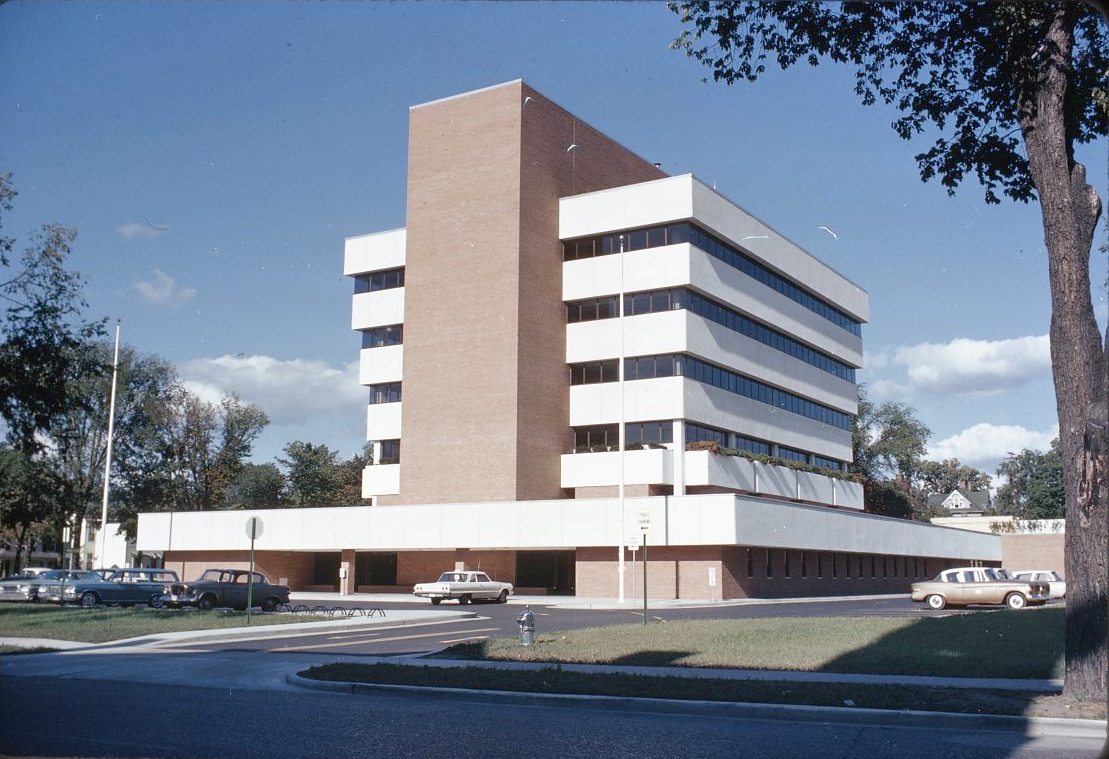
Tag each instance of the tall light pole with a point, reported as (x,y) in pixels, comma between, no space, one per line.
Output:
(102,539)
(620,431)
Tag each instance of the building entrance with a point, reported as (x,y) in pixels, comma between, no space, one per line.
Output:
(552,571)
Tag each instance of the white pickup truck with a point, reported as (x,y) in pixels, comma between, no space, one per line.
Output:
(465,586)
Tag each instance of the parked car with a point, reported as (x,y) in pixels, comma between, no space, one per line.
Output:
(28,584)
(978,585)
(53,590)
(465,586)
(127,586)
(226,588)
(1056,584)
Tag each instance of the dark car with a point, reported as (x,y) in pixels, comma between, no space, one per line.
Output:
(126,587)
(28,585)
(226,588)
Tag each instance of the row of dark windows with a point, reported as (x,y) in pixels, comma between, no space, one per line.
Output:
(379,337)
(672,234)
(790,454)
(698,432)
(386,279)
(594,372)
(826,463)
(647,367)
(833,564)
(607,436)
(683,298)
(592,309)
(682,365)
(725,439)
(385,392)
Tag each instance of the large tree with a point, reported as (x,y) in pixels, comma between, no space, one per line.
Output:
(209,446)
(316,476)
(942,477)
(1033,486)
(1011,88)
(41,365)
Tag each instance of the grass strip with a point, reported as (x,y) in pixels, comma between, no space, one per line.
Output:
(554,680)
(101,624)
(1006,644)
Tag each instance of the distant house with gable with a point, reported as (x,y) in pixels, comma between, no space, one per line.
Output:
(962,503)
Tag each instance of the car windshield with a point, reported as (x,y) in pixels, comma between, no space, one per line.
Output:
(210,575)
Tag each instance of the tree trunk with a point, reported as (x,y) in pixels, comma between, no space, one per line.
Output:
(1070,209)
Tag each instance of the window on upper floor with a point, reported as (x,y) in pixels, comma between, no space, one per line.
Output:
(386,279)
(385,392)
(390,452)
(591,309)
(594,372)
(379,337)
(649,433)
(597,437)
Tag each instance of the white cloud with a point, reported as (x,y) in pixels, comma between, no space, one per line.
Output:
(966,366)
(163,290)
(290,392)
(984,445)
(133,229)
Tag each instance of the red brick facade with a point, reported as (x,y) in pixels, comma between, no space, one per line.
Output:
(673,572)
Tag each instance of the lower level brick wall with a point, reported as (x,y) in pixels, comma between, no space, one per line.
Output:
(1034,552)
(285,567)
(673,572)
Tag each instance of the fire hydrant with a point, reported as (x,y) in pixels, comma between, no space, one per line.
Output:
(526,621)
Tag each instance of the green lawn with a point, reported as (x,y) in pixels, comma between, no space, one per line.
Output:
(1021,644)
(1006,644)
(101,624)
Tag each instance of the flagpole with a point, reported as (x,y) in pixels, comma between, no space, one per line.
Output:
(103,536)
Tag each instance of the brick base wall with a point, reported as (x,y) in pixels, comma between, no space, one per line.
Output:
(285,567)
(673,572)
(1034,552)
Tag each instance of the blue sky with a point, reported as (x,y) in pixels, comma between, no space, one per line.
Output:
(213,157)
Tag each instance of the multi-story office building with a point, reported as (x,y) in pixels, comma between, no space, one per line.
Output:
(566,350)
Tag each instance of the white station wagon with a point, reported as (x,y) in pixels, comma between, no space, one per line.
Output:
(465,586)
(1056,583)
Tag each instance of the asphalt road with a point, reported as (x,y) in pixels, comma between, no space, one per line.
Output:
(499,620)
(234,704)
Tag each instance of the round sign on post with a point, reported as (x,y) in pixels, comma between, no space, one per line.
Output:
(254,528)
(253,531)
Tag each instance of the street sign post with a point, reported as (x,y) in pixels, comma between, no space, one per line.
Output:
(644,528)
(253,531)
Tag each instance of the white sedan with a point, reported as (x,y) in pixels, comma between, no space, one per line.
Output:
(1056,583)
(465,586)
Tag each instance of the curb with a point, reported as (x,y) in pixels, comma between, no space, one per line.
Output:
(1028,726)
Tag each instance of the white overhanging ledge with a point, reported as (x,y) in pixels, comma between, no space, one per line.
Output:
(692,520)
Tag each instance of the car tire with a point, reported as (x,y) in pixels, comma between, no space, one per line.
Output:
(464,599)
(270,604)
(156,601)
(89,599)
(436,601)
(503,597)
(206,603)
(935,602)
(1016,601)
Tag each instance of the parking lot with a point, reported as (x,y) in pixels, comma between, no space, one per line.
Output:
(499,620)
